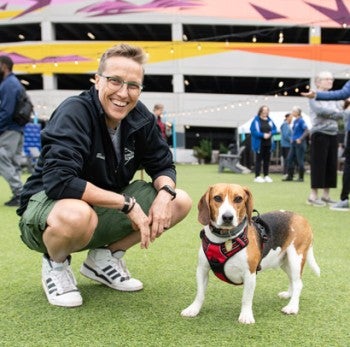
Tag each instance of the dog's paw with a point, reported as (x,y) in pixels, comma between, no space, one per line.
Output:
(190,311)
(246,318)
(290,309)
(284,295)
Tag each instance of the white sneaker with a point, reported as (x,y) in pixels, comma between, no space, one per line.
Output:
(259,179)
(268,179)
(341,205)
(59,283)
(315,202)
(107,268)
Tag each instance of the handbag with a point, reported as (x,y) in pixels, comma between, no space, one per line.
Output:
(24,110)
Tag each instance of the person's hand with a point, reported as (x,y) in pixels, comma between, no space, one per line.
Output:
(298,141)
(311,94)
(140,222)
(267,135)
(160,214)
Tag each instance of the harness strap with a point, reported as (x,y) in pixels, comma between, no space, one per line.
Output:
(263,231)
(218,253)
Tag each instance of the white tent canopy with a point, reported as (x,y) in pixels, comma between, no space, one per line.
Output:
(277,117)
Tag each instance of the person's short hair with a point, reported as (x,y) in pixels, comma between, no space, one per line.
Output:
(323,75)
(4,59)
(135,53)
(297,109)
(286,115)
(158,107)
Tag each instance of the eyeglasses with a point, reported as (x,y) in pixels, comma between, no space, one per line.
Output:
(116,83)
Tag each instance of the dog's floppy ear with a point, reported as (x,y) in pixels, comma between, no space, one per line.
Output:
(203,209)
(248,203)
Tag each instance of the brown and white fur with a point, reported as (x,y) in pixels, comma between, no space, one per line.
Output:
(224,207)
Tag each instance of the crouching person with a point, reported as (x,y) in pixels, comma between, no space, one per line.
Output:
(82,195)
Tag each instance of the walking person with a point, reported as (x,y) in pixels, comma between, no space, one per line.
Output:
(298,146)
(81,195)
(339,94)
(262,130)
(158,110)
(324,143)
(11,133)
(286,137)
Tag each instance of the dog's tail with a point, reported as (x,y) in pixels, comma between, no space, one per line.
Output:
(310,258)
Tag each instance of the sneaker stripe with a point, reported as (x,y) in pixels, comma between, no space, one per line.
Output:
(51,287)
(109,270)
(102,276)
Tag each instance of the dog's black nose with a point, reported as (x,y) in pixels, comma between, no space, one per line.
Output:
(227,218)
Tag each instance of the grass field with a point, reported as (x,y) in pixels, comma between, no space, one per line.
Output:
(152,317)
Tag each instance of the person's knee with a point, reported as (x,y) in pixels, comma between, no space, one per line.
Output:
(183,203)
(73,222)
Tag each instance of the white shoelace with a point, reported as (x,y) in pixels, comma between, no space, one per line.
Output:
(64,280)
(120,266)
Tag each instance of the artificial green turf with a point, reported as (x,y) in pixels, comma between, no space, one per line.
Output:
(152,317)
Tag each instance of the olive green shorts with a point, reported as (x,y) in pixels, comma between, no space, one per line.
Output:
(112,225)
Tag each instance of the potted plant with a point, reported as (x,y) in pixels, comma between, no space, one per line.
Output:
(203,152)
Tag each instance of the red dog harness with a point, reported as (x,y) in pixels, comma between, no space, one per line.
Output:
(218,253)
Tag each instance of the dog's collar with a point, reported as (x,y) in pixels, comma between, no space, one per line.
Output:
(224,233)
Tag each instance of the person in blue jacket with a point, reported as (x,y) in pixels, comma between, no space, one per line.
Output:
(339,94)
(286,136)
(11,133)
(262,130)
(83,194)
(297,151)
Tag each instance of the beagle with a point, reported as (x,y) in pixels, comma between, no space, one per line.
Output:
(236,245)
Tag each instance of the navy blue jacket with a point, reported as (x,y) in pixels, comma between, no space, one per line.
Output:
(10,91)
(76,148)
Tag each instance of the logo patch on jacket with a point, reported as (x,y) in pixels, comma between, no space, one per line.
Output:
(128,155)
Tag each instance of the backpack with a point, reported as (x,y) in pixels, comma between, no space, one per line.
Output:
(24,109)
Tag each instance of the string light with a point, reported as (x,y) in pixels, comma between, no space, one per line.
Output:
(280,37)
(91,36)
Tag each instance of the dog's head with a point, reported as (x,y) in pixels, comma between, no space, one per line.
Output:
(225,205)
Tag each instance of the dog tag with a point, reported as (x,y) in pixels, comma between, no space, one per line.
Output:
(228,245)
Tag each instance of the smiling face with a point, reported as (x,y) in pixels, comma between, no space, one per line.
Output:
(324,81)
(118,104)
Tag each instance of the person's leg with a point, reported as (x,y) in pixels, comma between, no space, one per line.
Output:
(285,151)
(266,156)
(58,228)
(105,264)
(331,168)
(291,158)
(300,155)
(10,141)
(258,159)
(332,162)
(344,195)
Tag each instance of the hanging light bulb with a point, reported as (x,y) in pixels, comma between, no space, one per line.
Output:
(254,39)
(280,37)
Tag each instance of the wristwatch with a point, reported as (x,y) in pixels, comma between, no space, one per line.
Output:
(169,190)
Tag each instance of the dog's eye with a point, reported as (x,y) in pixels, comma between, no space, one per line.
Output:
(238,199)
(218,198)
